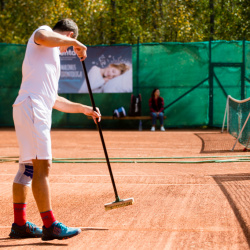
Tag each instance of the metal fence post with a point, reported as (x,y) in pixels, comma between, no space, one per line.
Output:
(138,65)
(211,108)
(243,95)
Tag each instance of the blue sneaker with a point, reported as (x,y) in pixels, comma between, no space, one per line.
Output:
(28,230)
(59,231)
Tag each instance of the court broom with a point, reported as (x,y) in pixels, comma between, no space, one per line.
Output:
(118,202)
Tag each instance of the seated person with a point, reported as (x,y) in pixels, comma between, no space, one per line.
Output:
(156,105)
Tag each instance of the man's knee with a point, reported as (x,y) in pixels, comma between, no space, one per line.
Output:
(25,174)
(41,167)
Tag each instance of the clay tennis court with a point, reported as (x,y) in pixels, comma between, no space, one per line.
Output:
(190,190)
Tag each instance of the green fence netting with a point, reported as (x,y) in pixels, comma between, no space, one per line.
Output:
(11,57)
(193,78)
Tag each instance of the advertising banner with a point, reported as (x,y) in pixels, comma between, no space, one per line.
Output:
(109,70)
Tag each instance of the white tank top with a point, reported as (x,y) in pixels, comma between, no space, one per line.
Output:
(41,73)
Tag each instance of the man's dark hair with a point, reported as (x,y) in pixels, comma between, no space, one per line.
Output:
(67,25)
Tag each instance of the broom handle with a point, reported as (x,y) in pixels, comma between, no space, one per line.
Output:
(100,131)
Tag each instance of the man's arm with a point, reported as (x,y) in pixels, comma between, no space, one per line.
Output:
(64,105)
(53,39)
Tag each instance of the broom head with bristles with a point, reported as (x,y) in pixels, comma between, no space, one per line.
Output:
(119,203)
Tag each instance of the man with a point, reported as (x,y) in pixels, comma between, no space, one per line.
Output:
(32,118)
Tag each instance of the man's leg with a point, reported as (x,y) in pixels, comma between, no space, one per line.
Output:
(21,228)
(52,229)
(41,190)
(40,184)
(20,193)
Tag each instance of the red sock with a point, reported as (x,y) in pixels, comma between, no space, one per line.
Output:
(48,218)
(19,213)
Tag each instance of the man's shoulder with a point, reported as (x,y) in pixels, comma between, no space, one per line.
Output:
(43,27)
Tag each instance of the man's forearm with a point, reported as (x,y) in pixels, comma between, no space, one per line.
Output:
(53,39)
(66,106)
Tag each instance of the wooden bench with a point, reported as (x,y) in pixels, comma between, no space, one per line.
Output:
(140,118)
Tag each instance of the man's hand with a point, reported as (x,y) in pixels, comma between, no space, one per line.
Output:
(80,50)
(96,115)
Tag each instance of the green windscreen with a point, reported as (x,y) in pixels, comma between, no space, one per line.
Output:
(11,57)
(191,80)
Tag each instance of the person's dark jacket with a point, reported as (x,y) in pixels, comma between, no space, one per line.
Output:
(156,105)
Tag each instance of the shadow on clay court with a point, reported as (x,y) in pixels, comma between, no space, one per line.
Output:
(29,244)
(8,239)
(218,143)
(237,192)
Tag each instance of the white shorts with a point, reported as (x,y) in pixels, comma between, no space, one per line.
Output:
(32,127)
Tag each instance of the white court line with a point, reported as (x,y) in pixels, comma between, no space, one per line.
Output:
(105,175)
(84,175)
(159,184)
(142,184)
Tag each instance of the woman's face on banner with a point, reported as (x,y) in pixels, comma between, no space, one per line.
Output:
(111,72)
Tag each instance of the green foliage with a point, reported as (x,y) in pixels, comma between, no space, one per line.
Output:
(119,21)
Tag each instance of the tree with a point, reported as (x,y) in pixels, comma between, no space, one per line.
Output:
(119,21)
